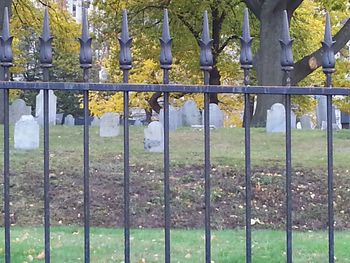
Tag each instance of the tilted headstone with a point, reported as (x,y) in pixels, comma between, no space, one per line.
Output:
(39,107)
(95,121)
(173,118)
(59,118)
(216,116)
(306,122)
(17,109)
(190,114)
(154,137)
(109,125)
(26,134)
(276,119)
(69,120)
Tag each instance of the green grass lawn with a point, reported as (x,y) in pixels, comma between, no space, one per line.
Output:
(309,148)
(186,245)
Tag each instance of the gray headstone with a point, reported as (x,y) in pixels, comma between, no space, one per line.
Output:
(138,122)
(216,116)
(276,119)
(173,118)
(96,121)
(26,135)
(179,117)
(39,107)
(69,120)
(190,114)
(17,109)
(109,125)
(321,110)
(154,137)
(59,118)
(293,119)
(306,122)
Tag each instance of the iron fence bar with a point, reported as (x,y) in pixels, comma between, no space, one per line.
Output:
(207,171)
(288,145)
(328,65)
(166,171)
(287,64)
(273,90)
(85,59)
(126,173)
(330,172)
(206,65)
(46,171)
(125,62)
(248,193)
(165,64)
(46,64)
(7,221)
(246,60)
(6,59)
(330,179)
(86,171)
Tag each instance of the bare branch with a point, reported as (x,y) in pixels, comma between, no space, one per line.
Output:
(225,43)
(310,63)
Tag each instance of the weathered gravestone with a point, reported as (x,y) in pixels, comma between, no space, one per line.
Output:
(39,107)
(321,110)
(154,137)
(95,121)
(306,122)
(321,113)
(173,118)
(26,135)
(17,109)
(190,114)
(109,125)
(69,120)
(138,122)
(179,117)
(293,119)
(59,118)
(216,116)
(276,119)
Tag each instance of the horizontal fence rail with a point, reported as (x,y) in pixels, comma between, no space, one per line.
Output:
(273,90)
(206,64)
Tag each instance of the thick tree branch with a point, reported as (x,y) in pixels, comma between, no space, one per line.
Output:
(310,63)
(292,5)
(254,6)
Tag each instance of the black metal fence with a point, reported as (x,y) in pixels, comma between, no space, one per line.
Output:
(206,63)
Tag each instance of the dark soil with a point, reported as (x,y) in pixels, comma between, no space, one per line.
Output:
(187,198)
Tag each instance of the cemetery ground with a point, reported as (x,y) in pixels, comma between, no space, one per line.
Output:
(187,194)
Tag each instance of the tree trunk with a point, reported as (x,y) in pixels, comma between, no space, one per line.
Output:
(268,62)
(214,80)
(3,4)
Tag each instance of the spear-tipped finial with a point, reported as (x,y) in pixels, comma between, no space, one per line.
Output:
(46,43)
(85,43)
(328,58)
(206,56)
(6,56)
(125,44)
(165,42)
(287,61)
(246,57)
